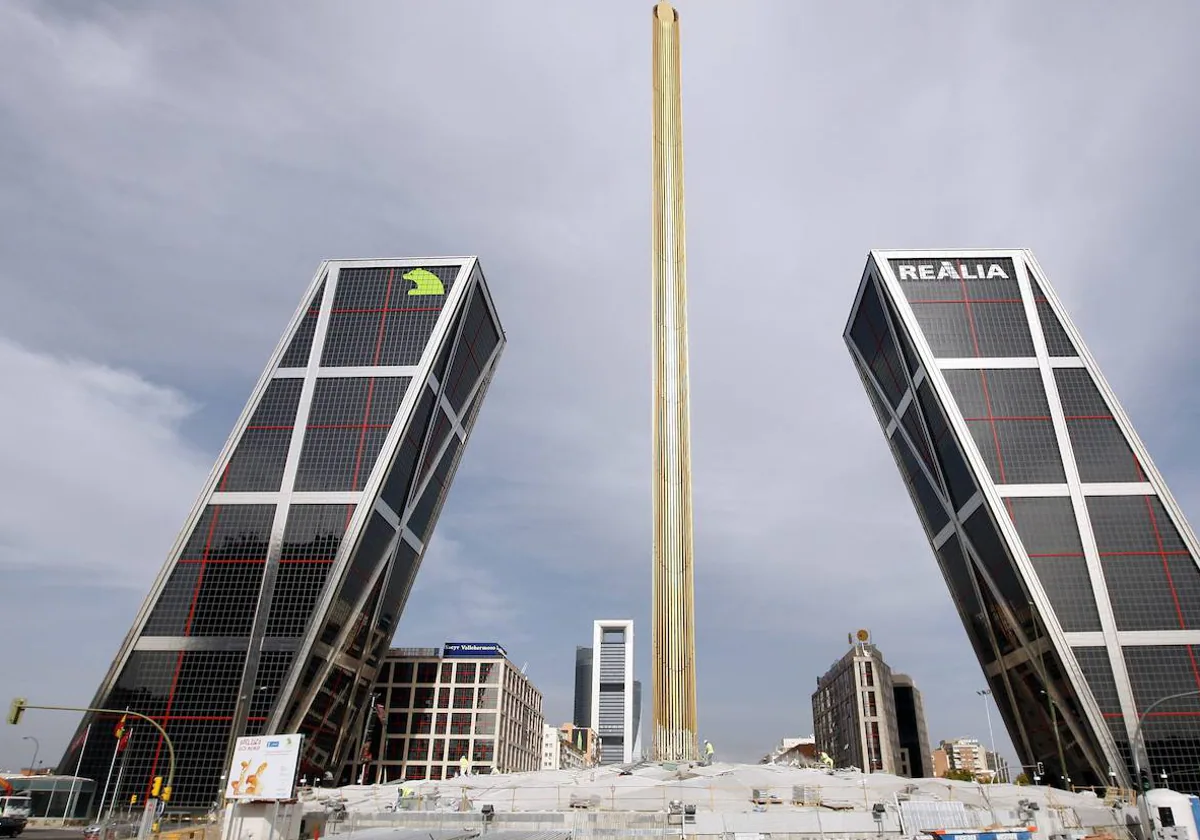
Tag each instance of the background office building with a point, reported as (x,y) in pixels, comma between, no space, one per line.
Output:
(854,713)
(583,697)
(560,751)
(583,687)
(910,728)
(612,692)
(281,594)
(963,755)
(584,675)
(438,705)
(1072,567)
(585,740)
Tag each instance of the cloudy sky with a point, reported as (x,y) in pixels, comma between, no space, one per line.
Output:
(173,173)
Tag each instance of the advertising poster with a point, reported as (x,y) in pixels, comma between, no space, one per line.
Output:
(264,768)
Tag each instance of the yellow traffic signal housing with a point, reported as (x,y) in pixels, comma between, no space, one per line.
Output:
(156,786)
(16,710)
(166,794)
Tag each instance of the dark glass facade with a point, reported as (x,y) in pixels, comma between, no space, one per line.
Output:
(910,728)
(1072,568)
(276,607)
(583,687)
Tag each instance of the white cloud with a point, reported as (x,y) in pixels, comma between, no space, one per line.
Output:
(95,475)
(455,598)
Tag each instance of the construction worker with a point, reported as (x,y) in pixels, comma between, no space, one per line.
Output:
(464,765)
(708,753)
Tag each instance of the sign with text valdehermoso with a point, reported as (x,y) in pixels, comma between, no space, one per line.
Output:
(264,767)
(471,649)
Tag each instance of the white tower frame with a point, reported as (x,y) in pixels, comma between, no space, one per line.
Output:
(598,630)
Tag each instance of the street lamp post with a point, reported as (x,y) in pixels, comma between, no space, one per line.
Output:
(985,694)
(36,747)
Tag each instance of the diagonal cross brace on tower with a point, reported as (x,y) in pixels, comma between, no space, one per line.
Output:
(673,620)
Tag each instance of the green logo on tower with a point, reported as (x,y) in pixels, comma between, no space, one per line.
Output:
(427,283)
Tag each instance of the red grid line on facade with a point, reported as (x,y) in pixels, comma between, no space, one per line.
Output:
(216,561)
(362,435)
(385,310)
(341,678)
(335,694)
(470,344)
(217,718)
(987,402)
(1171,583)
(187,628)
(323,426)
(1121,554)
(326,728)
(967,300)
(414,437)
(987,397)
(878,351)
(1155,714)
(1137,465)
(1044,419)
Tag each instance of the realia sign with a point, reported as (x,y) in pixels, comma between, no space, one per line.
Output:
(472,649)
(955,270)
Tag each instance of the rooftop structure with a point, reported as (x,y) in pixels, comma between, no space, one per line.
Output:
(801,752)
(715,802)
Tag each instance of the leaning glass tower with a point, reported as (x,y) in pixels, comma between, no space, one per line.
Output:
(1072,567)
(280,598)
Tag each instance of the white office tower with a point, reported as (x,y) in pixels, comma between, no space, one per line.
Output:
(612,690)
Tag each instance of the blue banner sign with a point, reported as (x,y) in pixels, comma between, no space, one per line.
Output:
(472,649)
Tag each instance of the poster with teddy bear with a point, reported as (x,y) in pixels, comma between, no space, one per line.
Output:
(264,768)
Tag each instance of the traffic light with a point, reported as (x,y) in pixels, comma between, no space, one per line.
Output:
(1147,782)
(166,794)
(156,786)
(16,710)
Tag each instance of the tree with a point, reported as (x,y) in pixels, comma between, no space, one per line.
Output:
(959,776)
(1023,779)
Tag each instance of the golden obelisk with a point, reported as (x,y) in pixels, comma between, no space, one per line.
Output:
(673,681)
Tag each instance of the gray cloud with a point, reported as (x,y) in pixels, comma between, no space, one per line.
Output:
(173,176)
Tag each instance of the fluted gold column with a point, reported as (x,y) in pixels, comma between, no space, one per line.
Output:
(674,644)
